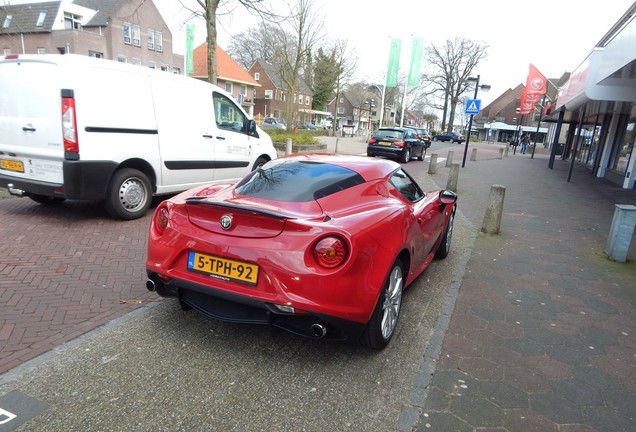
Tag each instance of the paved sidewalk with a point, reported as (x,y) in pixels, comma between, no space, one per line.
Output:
(543,332)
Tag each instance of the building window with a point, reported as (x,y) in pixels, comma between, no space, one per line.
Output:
(136,61)
(228,87)
(72,21)
(127,35)
(7,21)
(136,35)
(164,68)
(340,110)
(95,54)
(41,50)
(152,65)
(243,90)
(41,18)
(176,70)
(158,42)
(61,50)
(7,51)
(341,100)
(122,59)
(269,94)
(151,39)
(257,76)
(307,100)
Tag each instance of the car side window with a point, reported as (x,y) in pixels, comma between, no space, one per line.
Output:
(228,116)
(406,185)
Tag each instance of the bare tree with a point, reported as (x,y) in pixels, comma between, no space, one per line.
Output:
(346,63)
(453,64)
(209,10)
(253,44)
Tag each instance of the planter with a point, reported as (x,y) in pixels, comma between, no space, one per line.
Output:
(302,148)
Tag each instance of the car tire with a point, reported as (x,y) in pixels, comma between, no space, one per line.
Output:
(129,194)
(422,154)
(259,163)
(46,200)
(406,155)
(384,319)
(444,247)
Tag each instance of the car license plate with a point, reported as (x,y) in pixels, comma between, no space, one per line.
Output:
(385,143)
(11,165)
(223,268)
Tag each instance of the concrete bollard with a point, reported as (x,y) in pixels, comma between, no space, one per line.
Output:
(453,176)
(621,232)
(432,165)
(288,146)
(449,159)
(506,148)
(492,218)
(501,150)
(337,146)
(473,155)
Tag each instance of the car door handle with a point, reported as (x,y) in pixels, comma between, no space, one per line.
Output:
(220,138)
(28,128)
(207,136)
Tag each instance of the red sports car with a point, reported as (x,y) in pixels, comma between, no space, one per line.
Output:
(318,245)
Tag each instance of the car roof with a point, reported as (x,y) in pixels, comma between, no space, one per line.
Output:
(368,168)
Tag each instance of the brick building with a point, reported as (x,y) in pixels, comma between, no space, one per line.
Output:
(128,31)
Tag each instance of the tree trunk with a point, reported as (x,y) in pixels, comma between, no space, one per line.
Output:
(210,22)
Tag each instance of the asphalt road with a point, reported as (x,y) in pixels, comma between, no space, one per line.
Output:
(162,369)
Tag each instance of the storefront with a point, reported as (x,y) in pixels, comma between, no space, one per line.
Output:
(594,116)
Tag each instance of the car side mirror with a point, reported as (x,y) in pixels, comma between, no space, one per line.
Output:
(446,197)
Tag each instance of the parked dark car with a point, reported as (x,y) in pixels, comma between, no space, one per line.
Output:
(451,137)
(424,136)
(399,143)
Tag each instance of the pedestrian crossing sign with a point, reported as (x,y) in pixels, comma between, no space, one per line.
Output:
(472,106)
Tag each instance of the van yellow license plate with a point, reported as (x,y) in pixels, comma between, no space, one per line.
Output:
(223,268)
(11,165)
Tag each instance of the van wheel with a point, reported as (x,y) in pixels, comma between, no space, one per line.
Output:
(47,200)
(259,163)
(129,194)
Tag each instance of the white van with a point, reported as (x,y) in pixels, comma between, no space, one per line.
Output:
(76,127)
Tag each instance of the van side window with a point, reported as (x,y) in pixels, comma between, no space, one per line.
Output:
(228,115)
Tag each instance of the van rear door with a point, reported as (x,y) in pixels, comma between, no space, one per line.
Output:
(31,146)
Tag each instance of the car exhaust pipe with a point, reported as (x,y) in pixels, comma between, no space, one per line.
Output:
(150,285)
(318,330)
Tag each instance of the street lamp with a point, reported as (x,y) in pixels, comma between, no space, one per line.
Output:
(484,87)
(371,103)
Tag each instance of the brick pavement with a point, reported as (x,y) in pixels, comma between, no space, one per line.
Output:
(543,332)
(64,271)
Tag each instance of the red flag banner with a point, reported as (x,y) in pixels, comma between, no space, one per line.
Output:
(527,102)
(536,83)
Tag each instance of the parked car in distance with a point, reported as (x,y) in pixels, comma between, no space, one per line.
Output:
(450,136)
(273,123)
(401,143)
(319,245)
(308,126)
(424,136)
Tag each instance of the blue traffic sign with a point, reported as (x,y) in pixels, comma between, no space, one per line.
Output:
(472,106)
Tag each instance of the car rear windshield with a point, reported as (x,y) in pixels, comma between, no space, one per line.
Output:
(298,181)
(393,134)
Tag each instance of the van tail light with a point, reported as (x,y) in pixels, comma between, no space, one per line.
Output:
(69,125)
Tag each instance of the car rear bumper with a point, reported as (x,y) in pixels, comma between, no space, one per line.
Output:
(392,152)
(231,307)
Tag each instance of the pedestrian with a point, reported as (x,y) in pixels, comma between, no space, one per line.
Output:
(524,143)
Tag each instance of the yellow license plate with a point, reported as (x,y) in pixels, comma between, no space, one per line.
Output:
(11,165)
(385,143)
(223,268)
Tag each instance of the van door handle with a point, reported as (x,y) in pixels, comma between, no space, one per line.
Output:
(28,128)
(220,138)
(207,136)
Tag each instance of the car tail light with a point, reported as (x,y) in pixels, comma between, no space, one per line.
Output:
(399,143)
(330,252)
(372,140)
(162,218)
(69,125)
